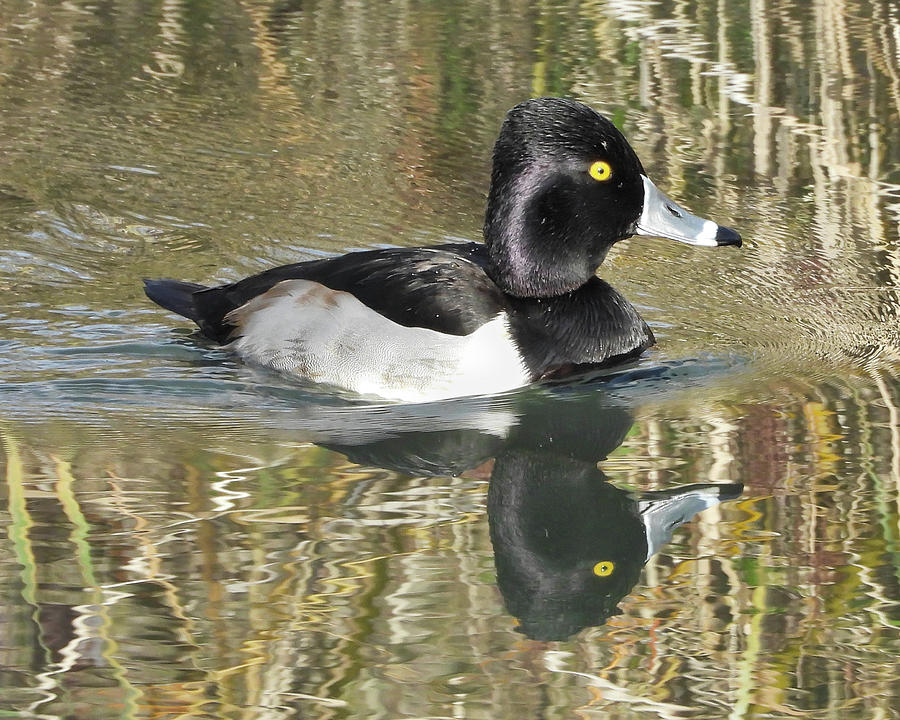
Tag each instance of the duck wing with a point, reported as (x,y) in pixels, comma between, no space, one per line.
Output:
(444,288)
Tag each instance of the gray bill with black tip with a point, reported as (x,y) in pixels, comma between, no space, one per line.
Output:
(663,217)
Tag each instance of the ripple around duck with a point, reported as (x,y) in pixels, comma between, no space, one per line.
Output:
(182,378)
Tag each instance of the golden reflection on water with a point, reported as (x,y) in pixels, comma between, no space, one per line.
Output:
(284,577)
(168,555)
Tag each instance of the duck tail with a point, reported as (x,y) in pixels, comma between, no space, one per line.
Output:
(174,295)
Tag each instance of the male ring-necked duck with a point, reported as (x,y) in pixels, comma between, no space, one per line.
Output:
(420,324)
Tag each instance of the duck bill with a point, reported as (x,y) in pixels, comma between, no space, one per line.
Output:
(664,510)
(663,217)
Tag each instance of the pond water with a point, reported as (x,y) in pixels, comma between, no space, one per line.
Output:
(189,537)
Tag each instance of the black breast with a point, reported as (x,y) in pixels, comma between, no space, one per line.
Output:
(593,326)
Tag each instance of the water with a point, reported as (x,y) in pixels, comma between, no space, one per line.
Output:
(190,537)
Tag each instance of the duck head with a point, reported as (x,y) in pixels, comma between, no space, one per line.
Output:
(565,187)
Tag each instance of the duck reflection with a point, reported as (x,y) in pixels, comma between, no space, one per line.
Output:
(568,544)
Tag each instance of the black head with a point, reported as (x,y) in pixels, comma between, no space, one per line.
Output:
(565,186)
(550,220)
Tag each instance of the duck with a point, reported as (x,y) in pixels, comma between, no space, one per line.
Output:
(526,305)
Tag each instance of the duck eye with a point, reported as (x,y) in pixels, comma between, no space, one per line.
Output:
(604,568)
(600,170)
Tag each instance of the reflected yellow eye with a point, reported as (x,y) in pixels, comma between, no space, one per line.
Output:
(604,568)
(600,170)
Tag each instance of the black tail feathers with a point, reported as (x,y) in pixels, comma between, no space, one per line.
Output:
(174,295)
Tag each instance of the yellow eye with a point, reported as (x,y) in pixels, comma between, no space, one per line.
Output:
(600,170)
(604,568)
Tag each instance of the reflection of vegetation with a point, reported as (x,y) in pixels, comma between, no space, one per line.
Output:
(65,639)
(308,580)
(458,70)
(20,518)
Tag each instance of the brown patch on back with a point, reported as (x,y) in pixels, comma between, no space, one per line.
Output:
(303,292)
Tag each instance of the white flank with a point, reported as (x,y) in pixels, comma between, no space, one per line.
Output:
(328,336)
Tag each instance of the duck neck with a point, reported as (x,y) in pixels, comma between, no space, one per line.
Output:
(592,326)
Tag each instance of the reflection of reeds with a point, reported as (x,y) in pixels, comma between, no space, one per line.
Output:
(83,629)
(823,533)
(20,519)
(311,606)
(98,607)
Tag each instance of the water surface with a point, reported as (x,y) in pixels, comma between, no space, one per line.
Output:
(190,537)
